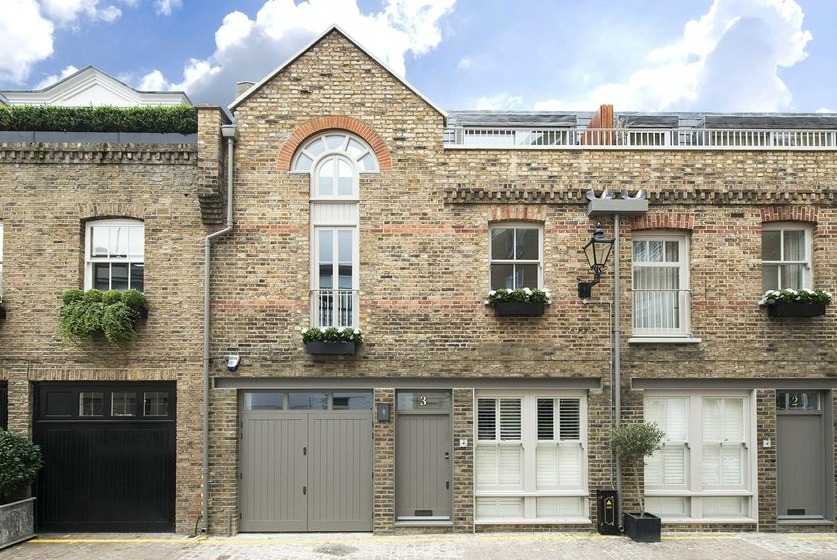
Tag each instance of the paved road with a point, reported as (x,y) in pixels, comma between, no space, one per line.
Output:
(487,546)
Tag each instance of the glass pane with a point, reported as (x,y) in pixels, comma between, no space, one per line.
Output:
(640,251)
(570,419)
(423,401)
(345,180)
(101,276)
(672,251)
(355,148)
(316,147)
(527,244)
(510,419)
(119,276)
(794,245)
(526,276)
(771,245)
(502,276)
(326,178)
(326,245)
(91,403)
(486,419)
(307,401)
(351,401)
(546,419)
(792,276)
(119,241)
(264,401)
(655,251)
(303,163)
(769,277)
(136,242)
(502,243)
(334,142)
(99,241)
(326,277)
(155,403)
(59,403)
(138,276)
(344,246)
(345,276)
(123,404)
(367,163)
(798,400)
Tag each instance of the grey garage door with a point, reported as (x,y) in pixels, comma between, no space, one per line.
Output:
(306,461)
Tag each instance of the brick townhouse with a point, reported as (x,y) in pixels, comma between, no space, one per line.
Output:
(356,202)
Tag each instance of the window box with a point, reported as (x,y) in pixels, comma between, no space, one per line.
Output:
(796,309)
(330,348)
(518,309)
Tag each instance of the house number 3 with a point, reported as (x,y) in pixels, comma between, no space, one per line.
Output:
(422,401)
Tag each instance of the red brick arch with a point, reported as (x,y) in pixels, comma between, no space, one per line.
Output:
(321,124)
(789,214)
(668,220)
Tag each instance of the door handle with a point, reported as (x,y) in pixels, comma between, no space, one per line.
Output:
(447,454)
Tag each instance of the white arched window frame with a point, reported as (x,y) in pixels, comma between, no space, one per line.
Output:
(114,254)
(335,160)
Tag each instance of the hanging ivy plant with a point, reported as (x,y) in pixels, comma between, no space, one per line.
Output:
(111,314)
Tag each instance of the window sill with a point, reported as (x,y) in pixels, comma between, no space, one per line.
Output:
(538,521)
(707,520)
(802,521)
(664,340)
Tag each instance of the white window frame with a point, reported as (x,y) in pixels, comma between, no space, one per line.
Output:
(696,495)
(807,274)
(527,492)
(315,270)
(90,260)
(514,261)
(334,145)
(682,298)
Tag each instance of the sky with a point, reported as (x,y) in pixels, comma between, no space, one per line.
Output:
(522,55)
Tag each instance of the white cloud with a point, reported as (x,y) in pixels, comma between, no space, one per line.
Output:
(165,7)
(464,64)
(66,12)
(249,49)
(153,81)
(727,60)
(25,39)
(49,80)
(502,101)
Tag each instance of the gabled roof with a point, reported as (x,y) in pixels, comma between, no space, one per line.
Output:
(91,86)
(333,29)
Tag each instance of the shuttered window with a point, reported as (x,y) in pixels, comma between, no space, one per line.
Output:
(532,447)
(706,452)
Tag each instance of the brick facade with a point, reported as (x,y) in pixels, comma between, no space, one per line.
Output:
(424,223)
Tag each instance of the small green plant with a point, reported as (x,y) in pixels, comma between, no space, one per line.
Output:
(632,444)
(520,295)
(332,334)
(20,461)
(772,297)
(111,314)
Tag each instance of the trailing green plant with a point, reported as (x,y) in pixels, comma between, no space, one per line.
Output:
(20,461)
(332,334)
(520,295)
(111,314)
(181,119)
(632,444)
(772,297)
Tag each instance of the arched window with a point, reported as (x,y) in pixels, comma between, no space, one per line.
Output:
(334,159)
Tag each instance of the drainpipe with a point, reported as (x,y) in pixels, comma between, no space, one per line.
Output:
(617,358)
(230,133)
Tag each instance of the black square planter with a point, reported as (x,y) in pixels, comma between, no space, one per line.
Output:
(795,309)
(644,528)
(330,348)
(518,309)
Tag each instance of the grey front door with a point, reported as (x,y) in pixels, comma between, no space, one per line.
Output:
(423,456)
(800,453)
(306,461)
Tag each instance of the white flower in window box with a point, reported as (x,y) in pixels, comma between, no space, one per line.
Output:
(522,302)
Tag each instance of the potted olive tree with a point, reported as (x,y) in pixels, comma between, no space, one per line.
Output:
(632,443)
(20,461)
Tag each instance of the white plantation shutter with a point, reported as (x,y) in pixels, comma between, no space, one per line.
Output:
(569,464)
(510,465)
(499,455)
(724,451)
(668,465)
(509,419)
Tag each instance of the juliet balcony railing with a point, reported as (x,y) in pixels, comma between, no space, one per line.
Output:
(661,312)
(334,308)
(648,139)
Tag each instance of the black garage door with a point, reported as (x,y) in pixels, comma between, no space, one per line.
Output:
(109,456)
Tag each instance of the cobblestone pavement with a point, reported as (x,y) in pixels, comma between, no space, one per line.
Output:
(485,546)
